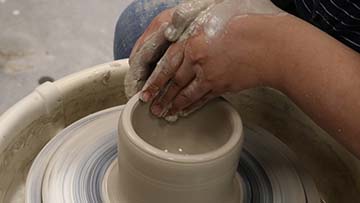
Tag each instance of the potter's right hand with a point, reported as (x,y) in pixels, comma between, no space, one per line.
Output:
(167,27)
(214,56)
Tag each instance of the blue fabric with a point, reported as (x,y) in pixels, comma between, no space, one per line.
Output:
(133,22)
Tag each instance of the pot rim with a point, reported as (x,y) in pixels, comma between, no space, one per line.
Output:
(231,144)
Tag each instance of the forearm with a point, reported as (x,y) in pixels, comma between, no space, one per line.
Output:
(317,72)
(322,76)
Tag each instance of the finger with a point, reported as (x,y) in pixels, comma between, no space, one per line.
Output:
(198,104)
(141,61)
(182,78)
(151,49)
(162,19)
(139,42)
(184,14)
(164,71)
(190,94)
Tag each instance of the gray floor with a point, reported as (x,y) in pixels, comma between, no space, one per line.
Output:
(52,38)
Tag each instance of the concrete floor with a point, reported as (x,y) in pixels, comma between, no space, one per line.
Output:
(52,38)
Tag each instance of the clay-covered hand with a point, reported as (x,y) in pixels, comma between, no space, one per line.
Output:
(167,27)
(219,52)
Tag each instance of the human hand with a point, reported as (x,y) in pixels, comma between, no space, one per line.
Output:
(164,29)
(213,56)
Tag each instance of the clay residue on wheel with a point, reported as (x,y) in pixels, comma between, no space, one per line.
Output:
(15,160)
(11,61)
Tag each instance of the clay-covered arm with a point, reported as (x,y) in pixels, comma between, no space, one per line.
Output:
(317,72)
(257,44)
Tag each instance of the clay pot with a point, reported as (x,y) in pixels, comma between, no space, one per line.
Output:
(193,160)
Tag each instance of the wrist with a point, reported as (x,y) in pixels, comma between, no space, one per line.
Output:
(260,45)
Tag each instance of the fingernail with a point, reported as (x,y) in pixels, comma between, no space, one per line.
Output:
(171,119)
(156,110)
(145,96)
(184,113)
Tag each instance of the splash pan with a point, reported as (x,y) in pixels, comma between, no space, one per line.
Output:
(79,165)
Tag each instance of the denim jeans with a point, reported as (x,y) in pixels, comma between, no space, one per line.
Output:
(133,22)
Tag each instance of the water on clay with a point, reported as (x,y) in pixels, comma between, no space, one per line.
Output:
(183,136)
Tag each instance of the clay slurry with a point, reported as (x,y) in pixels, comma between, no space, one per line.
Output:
(188,136)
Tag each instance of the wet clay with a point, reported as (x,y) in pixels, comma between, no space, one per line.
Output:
(190,161)
(76,174)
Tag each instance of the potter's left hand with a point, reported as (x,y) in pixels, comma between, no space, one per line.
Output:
(165,28)
(215,55)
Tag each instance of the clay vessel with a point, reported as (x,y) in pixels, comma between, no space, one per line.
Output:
(193,160)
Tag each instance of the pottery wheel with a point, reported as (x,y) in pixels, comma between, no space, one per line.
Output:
(79,165)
